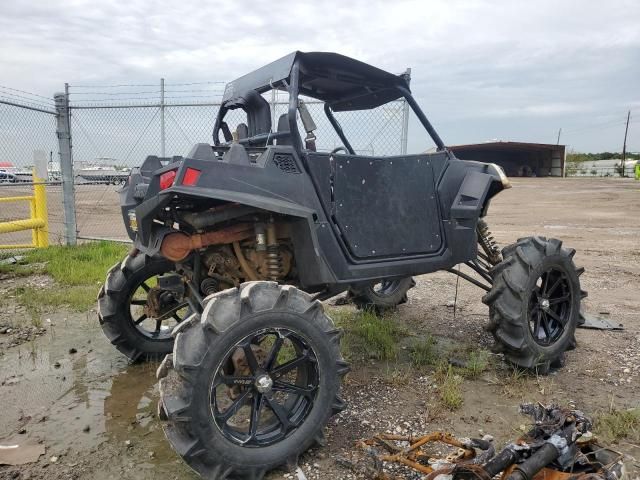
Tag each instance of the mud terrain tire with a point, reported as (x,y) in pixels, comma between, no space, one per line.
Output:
(190,379)
(114,311)
(392,292)
(536,288)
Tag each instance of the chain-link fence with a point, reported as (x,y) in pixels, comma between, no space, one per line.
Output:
(27,126)
(107,130)
(601,168)
(111,136)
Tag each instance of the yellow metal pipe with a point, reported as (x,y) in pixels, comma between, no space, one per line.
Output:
(39,219)
(33,215)
(16,199)
(19,225)
(16,246)
(40,201)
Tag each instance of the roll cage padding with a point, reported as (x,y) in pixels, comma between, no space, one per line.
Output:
(258,115)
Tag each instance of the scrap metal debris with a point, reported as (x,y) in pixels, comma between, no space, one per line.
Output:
(597,323)
(559,446)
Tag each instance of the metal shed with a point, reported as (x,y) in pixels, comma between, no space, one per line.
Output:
(518,159)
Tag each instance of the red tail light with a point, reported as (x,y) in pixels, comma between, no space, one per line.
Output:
(167,178)
(191,176)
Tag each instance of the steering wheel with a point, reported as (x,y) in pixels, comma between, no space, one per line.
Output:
(337,149)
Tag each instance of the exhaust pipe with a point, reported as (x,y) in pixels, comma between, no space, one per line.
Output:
(177,246)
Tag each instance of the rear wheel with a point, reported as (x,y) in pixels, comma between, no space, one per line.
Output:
(135,314)
(534,303)
(382,295)
(252,382)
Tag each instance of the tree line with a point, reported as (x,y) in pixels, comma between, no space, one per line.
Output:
(592,157)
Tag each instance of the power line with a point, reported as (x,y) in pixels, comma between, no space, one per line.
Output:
(610,123)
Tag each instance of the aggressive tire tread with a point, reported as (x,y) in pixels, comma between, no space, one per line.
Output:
(508,301)
(366,298)
(201,338)
(113,306)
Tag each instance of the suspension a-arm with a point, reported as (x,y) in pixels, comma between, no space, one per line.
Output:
(488,256)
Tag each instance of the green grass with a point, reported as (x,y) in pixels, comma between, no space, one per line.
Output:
(514,381)
(78,273)
(477,363)
(84,264)
(422,352)
(617,425)
(20,270)
(449,388)
(368,335)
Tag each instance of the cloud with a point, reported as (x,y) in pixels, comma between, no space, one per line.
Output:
(482,69)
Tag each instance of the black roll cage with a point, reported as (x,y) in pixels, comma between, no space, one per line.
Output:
(293,87)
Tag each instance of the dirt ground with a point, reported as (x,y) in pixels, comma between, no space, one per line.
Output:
(69,390)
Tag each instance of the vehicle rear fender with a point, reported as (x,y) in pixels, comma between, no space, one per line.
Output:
(312,268)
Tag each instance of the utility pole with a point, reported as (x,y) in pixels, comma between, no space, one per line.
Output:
(162,137)
(624,145)
(559,132)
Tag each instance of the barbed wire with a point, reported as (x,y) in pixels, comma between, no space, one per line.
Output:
(115,86)
(197,83)
(115,93)
(130,85)
(193,91)
(33,101)
(3,87)
(167,97)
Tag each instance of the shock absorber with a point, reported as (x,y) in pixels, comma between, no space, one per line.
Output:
(274,259)
(488,243)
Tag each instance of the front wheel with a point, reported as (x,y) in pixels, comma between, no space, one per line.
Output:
(252,381)
(534,303)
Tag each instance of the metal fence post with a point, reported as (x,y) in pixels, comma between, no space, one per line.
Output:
(63,131)
(405,118)
(162,125)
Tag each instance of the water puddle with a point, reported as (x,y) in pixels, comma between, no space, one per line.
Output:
(72,390)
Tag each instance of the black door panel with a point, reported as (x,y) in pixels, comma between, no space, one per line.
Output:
(383,206)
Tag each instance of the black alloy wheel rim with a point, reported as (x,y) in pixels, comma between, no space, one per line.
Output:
(275,393)
(161,326)
(550,307)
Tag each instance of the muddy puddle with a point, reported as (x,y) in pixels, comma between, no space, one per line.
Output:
(72,391)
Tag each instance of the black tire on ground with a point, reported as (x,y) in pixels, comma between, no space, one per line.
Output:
(534,304)
(383,295)
(190,381)
(114,308)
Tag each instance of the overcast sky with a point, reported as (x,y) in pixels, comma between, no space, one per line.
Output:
(512,70)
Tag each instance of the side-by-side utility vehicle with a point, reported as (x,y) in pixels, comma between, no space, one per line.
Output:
(238,242)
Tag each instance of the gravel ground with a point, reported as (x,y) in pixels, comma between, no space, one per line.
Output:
(96,415)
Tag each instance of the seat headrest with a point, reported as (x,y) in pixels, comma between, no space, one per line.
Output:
(242,130)
(283,126)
